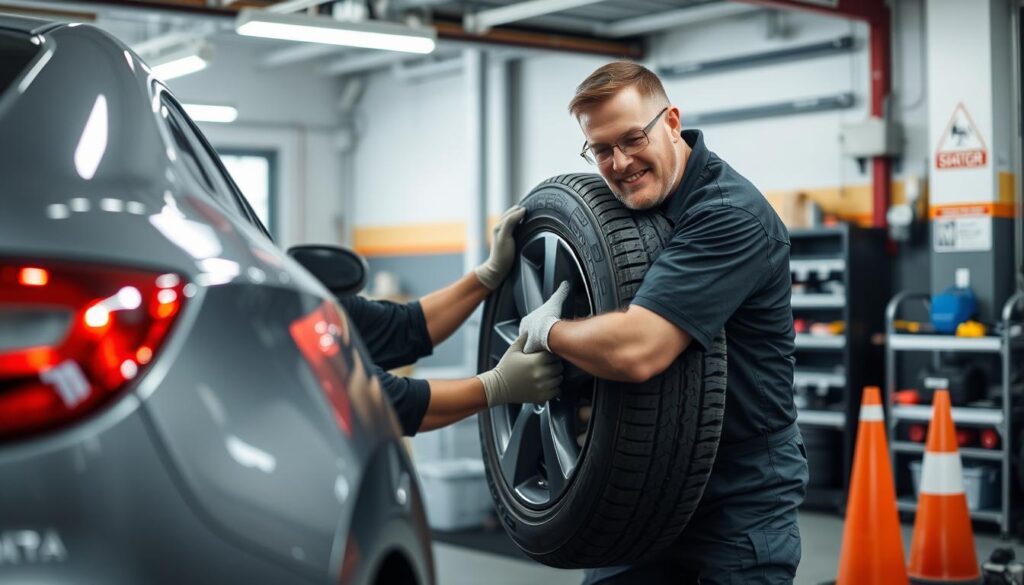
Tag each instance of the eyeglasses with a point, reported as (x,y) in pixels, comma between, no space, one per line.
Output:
(630,143)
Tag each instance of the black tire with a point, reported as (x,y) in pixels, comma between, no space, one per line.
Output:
(647,449)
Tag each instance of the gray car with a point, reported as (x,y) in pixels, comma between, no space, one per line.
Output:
(180,400)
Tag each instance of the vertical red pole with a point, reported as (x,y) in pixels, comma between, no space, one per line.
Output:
(881,85)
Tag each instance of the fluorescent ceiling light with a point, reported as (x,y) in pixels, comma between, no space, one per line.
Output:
(211,113)
(189,59)
(319,29)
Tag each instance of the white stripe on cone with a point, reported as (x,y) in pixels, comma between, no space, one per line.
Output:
(942,474)
(871,412)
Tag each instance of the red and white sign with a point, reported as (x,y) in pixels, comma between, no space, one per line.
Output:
(961,146)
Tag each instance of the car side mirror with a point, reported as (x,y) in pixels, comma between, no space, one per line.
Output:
(341,270)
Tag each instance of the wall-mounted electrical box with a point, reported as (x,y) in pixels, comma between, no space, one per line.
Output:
(873,137)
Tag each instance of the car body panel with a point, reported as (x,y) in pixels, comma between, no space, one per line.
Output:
(223,461)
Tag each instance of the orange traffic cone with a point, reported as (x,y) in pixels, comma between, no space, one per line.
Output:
(942,549)
(872,552)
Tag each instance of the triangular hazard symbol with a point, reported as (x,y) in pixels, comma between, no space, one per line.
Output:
(961,145)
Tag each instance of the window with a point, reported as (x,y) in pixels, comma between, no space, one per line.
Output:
(16,52)
(189,148)
(255,174)
(185,152)
(205,164)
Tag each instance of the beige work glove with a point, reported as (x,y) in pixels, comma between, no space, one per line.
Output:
(537,325)
(520,378)
(503,249)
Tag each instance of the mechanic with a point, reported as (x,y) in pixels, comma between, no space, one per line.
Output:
(399,334)
(726,266)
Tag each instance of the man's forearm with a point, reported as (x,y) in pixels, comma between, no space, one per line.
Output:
(598,345)
(453,400)
(624,346)
(446,309)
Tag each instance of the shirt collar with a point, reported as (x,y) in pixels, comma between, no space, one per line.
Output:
(674,206)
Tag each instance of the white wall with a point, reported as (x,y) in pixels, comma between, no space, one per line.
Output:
(552,139)
(290,110)
(788,152)
(800,151)
(410,158)
(296,94)
(421,178)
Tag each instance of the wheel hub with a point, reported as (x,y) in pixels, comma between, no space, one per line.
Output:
(540,446)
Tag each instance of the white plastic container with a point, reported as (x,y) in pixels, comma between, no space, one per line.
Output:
(455,493)
(981,485)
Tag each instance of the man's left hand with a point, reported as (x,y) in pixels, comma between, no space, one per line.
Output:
(539,322)
(503,249)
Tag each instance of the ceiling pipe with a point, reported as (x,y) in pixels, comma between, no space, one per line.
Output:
(485,20)
(289,6)
(673,18)
(47,12)
(363,62)
(511,37)
(409,72)
(296,54)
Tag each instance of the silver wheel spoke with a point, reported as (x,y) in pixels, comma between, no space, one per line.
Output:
(559,458)
(502,335)
(528,293)
(518,463)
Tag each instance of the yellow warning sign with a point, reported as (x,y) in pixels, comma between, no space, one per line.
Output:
(961,145)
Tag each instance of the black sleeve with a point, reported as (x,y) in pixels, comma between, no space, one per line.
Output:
(409,397)
(717,257)
(394,333)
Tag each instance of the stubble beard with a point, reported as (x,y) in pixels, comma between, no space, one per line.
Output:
(633,205)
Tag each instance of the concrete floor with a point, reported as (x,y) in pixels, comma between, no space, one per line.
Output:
(822,537)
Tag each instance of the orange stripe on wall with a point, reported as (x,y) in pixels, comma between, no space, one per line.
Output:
(448,237)
(852,203)
(411,239)
(1004,210)
(1005,205)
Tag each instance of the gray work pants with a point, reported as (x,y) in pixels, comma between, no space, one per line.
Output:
(744,531)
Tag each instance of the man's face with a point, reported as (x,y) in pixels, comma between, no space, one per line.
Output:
(644,179)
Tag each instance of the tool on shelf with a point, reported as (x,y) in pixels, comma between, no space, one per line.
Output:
(955,305)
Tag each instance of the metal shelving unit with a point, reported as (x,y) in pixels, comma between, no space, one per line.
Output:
(1001,419)
(807,341)
(845,273)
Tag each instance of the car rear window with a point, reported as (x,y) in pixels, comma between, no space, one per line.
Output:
(16,52)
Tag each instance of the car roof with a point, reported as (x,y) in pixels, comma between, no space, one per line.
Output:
(26,24)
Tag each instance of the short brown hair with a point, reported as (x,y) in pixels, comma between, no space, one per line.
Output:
(612,78)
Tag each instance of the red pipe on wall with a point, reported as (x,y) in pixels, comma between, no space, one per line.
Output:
(876,14)
(881,85)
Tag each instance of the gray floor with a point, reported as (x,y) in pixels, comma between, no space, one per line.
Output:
(822,537)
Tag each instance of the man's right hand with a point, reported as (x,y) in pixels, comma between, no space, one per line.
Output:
(520,378)
(537,325)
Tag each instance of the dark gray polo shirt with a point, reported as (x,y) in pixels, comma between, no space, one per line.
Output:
(395,335)
(727,266)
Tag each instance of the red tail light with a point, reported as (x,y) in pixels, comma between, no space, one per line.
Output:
(320,336)
(72,335)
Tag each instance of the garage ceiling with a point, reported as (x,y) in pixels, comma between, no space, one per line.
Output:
(590,19)
(603,27)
